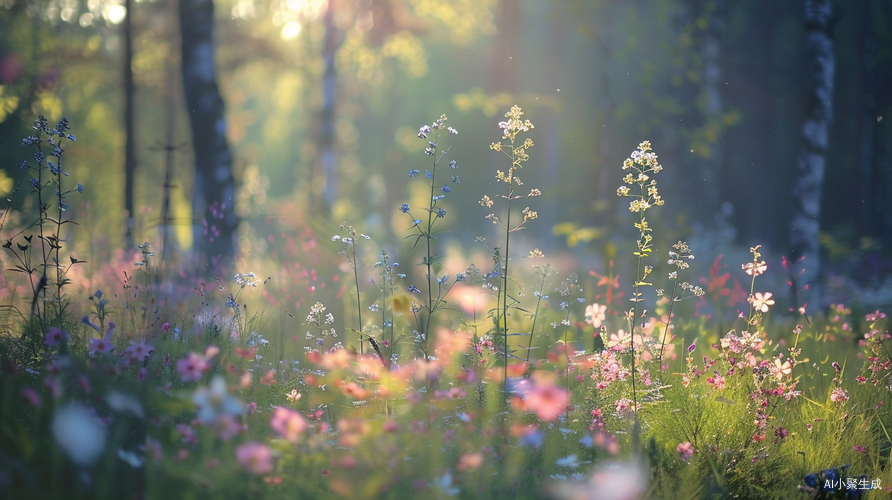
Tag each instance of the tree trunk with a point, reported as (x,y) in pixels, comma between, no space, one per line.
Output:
(868,216)
(710,167)
(213,192)
(129,127)
(325,175)
(806,213)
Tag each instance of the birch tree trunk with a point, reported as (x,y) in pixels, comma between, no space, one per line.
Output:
(213,192)
(806,213)
(324,181)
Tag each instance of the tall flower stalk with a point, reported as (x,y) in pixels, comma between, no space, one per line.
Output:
(679,256)
(515,148)
(640,166)
(423,229)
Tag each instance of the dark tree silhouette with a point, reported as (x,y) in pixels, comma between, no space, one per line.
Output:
(213,193)
(811,163)
(129,125)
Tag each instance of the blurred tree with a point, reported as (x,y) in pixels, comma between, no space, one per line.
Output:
(805,217)
(129,124)
(213,192)
(324,173)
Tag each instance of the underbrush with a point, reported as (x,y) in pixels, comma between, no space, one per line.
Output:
(500,379)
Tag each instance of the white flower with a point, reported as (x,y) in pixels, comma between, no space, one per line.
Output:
(79,433)
(215,401)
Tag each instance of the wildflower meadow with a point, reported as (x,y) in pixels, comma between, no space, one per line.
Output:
(345,363)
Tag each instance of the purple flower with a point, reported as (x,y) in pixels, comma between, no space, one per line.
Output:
(55,336)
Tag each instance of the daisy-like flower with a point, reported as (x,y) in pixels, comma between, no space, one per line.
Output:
(618,341)
(595,314)
(547,401)
(761,301)
(192,368)
(781,369)
(288,423)
(55,336)
(139,350)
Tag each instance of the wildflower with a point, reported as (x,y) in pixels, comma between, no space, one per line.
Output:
(79,433)
(255,457)
(685,450)
(192,368)
(595,314)
(761,302)
(839,395)
(215,401)
(781,433)
(288,423)
(441,213)
(139,351)
(404,208)
(781,369)
(547,401)
(755,268)
(55,336)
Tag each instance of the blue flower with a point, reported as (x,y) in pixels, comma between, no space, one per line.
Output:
(460,277)
(441,213)
(413,289)
(456,180)
(453,164)
(413,173)
(404,208)
(429,174)
(445,188)
(416,222)
(443,280)
(80,188)
(35,183)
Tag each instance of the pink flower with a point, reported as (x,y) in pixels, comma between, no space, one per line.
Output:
(288,423)
(762,301)
(255,457)
(839,395)
(685,450)
(54,336)
(547,401)
(595,314)
(192,368)
(139,350)
(781,369)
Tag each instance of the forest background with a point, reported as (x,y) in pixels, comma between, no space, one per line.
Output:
(323,99)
